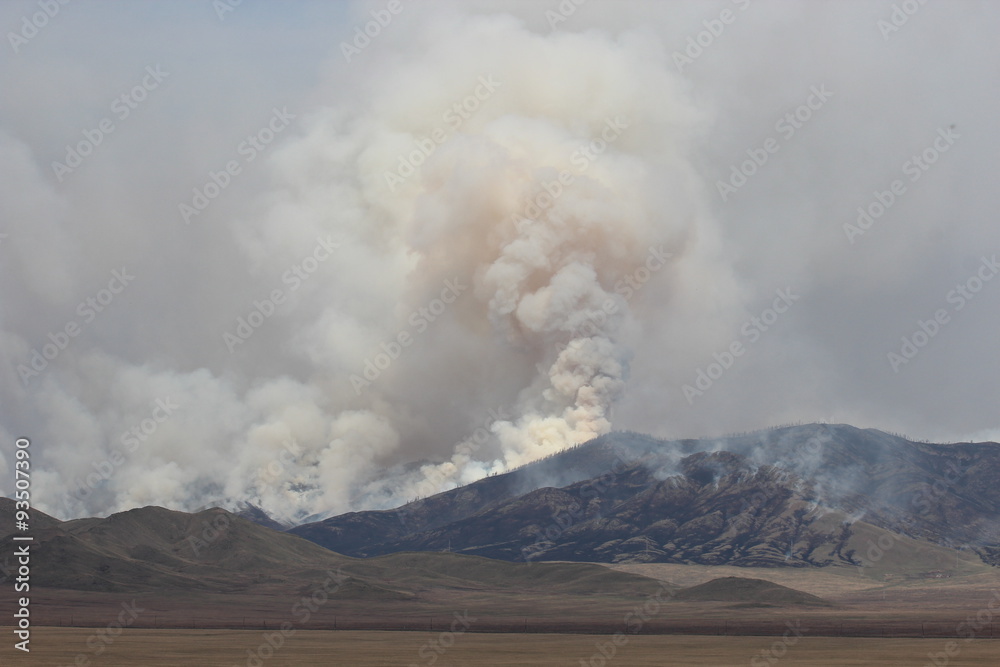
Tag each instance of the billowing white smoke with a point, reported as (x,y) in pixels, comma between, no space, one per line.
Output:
(498,200)
(549,197)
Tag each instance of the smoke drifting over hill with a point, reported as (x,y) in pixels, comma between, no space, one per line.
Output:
(367,267)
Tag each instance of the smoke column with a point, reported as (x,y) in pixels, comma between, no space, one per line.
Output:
(561,188)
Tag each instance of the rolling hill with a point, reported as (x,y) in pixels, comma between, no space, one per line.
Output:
(748,591)
(214,551)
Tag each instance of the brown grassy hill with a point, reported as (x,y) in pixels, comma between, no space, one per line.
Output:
(158,549)
(748,591)
(214,551)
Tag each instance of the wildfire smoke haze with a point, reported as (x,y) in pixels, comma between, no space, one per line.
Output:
(361,274)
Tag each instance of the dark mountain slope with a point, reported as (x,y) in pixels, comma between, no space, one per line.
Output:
(799,496)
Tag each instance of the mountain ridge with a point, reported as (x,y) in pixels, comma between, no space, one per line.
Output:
(791,495)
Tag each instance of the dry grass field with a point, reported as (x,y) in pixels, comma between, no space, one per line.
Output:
(58,647)
(858,595)
(860,606)
(870,620)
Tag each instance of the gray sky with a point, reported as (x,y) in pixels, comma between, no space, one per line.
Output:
(481,234)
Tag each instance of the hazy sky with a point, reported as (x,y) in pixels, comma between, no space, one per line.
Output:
(249,252)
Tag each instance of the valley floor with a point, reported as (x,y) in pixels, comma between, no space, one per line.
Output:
(308,648)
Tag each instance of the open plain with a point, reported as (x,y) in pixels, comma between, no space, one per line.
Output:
(56,647)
